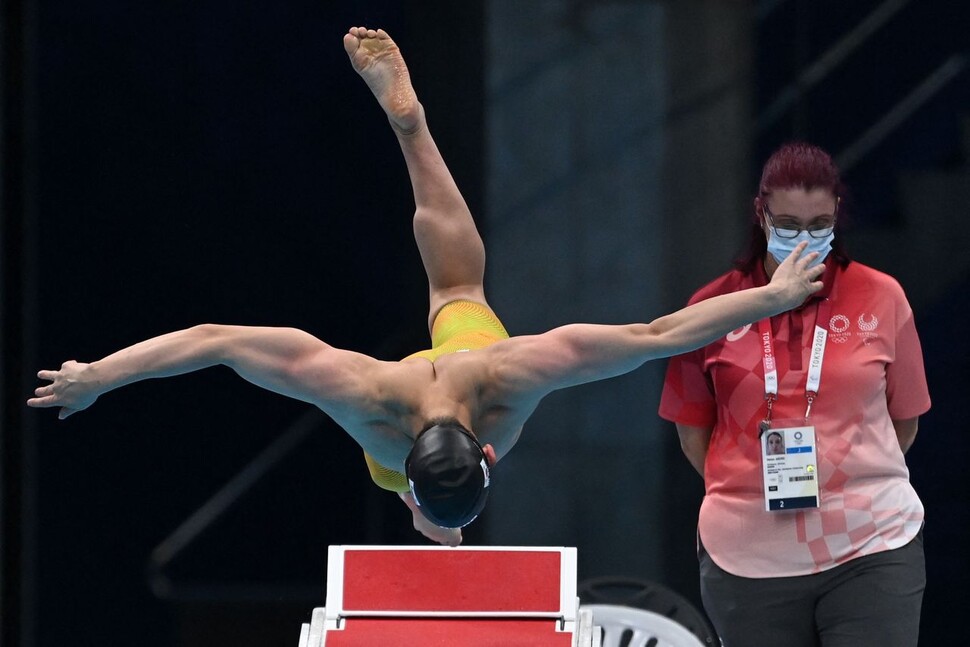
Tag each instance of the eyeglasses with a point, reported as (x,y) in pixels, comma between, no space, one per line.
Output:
(820,228)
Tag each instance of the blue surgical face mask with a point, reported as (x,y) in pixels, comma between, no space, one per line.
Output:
(780,247)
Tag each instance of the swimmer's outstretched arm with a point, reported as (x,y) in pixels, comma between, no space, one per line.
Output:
(284,360)
(534,366)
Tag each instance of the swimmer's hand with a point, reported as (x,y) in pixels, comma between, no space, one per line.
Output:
(437,534)
(795,280)
(72,388)
(443,536)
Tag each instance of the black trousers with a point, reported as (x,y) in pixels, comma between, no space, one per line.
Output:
(871,600)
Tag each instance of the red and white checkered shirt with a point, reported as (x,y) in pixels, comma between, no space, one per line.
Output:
(872,374)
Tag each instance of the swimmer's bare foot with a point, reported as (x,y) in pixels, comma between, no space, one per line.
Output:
(378,60)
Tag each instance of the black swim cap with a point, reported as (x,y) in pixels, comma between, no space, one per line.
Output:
(448,474)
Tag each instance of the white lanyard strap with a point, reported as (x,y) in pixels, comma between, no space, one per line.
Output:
(815,364)
(814,379)
(768,359)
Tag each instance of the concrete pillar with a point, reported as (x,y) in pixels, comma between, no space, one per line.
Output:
(615,142)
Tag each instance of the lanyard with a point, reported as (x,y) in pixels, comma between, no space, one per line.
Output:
(814,377)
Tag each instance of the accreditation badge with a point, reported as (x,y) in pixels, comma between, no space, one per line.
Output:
(790,462)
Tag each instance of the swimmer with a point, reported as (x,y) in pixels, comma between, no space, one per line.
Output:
(433,424)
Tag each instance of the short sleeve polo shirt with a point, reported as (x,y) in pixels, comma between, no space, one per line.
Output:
(872,373)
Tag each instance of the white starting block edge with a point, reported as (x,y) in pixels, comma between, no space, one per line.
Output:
(568,600)
(313,634)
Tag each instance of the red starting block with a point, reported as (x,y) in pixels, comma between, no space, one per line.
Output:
(469,597)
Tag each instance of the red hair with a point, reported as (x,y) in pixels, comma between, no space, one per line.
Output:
(794,165)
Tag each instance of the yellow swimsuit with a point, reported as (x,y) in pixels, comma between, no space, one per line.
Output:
(459,325)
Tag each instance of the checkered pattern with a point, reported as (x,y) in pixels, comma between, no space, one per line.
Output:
(866,501)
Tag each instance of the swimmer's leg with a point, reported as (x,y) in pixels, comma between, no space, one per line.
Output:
(450,245)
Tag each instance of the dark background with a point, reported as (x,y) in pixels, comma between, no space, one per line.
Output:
(167,164)
(203,162)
